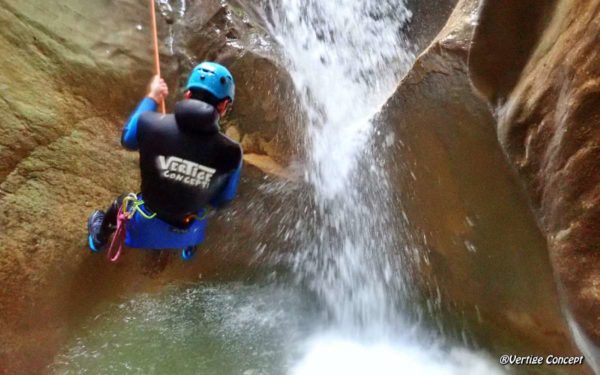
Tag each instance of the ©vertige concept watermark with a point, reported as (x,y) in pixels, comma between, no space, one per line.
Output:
(551,360)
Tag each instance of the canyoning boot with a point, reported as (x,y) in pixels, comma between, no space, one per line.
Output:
(94,226)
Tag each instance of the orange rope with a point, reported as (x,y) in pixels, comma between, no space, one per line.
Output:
(156,54)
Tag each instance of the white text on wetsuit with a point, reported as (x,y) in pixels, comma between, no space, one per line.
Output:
(185,171)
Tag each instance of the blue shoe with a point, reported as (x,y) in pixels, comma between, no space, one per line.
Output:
(188,253)
(94,225)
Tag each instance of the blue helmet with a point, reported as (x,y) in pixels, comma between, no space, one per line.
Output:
(214,78)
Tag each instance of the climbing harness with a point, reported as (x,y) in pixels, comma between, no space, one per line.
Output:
(156,51)
(131,204)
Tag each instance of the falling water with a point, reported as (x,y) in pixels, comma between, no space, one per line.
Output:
(171,11)
(346,57)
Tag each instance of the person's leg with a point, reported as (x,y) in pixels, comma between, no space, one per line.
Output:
(101,225)
(109,224)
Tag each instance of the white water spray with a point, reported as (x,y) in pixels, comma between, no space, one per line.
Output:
(346,57)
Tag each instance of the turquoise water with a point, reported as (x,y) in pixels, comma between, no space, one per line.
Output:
(247,329)
(228,328)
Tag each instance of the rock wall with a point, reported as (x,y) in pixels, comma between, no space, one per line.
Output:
(71,73)
(468,222)
(428,18)
(541,77)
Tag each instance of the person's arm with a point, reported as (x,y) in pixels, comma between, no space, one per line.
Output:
(129,138)
(229,191)
(157,93)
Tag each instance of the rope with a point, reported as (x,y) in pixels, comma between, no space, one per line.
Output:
(131,204)
(156,54)
(116,245)
(136,205)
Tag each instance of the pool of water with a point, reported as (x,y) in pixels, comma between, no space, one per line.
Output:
(239,328)
(230,328)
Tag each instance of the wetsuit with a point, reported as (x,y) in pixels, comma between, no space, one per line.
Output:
(186,164)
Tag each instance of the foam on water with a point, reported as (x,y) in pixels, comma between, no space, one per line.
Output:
(337,356)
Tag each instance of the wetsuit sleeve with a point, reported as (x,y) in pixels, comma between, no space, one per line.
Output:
(129,138)
(229,191)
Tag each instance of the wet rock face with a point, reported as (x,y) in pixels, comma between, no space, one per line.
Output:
(428,19)
(548,111)
(481,253)
(265,116)
(71,73)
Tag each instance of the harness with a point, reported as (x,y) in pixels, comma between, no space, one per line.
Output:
(131,206)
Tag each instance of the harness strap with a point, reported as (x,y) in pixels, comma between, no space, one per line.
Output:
(116,245)
(132,204)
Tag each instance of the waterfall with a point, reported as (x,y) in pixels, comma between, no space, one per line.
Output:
(346,57)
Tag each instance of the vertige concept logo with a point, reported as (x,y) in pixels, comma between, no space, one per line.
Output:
(185,171)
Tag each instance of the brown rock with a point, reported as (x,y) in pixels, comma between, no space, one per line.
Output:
(267,165)
(273,118)
(468,224)
(428,18)
(541,75)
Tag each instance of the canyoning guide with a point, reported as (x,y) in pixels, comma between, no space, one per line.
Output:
(186,165)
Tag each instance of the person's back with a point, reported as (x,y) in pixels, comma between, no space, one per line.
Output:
(186,163)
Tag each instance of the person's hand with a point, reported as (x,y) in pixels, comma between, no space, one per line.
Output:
(158,89)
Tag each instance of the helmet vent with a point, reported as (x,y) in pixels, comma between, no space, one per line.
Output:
(223,81)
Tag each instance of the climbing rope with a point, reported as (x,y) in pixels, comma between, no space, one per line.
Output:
(156,54)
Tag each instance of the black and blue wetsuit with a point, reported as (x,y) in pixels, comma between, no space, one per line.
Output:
(186,164)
